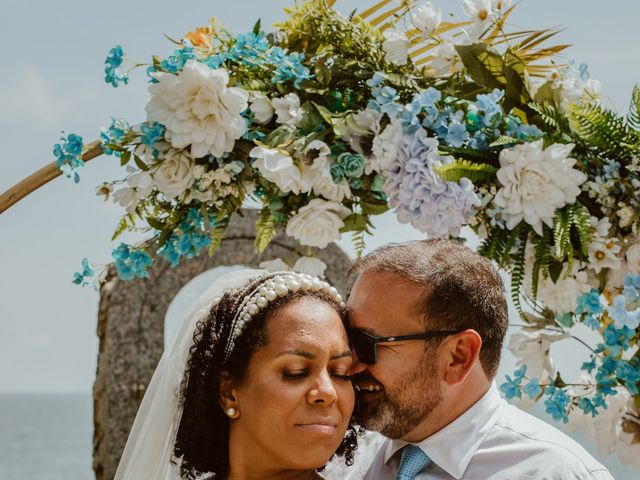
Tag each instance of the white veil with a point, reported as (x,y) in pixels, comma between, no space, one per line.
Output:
(147,454)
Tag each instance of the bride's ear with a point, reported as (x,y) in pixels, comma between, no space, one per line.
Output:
(227,399)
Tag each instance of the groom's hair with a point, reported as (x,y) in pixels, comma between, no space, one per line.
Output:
(462,289)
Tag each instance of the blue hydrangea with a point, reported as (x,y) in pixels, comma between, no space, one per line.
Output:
(376,80)
(68,155)
(112,62)
(386,101)
(420,197)
(131,263)
(113,135)
(488,104)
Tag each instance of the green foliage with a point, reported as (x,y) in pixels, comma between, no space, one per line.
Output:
(491,70)
(125,223)
(572,233)
(216,234)
(518,271)
(498,246)
(543,257)
(476,172)
(604,130)
(265,230)
(355,222)
(633,117)
(357,238)
(549,117)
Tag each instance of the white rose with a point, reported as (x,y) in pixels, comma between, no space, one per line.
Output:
(277,166)
(275,265)
(395,46)
(318,223)
(262,109)
(311,266)
(426,18)
(174,174)
(288,109)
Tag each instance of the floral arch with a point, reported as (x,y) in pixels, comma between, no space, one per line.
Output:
(330,120)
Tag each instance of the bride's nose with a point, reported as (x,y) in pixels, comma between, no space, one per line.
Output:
(324,391)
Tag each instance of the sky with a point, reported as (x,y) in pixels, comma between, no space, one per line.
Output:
(52,79)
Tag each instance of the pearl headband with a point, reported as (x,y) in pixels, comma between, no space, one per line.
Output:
(276,285)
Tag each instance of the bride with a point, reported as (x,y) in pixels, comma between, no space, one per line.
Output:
(255,384)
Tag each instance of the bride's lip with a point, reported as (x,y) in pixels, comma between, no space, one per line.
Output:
(325,428)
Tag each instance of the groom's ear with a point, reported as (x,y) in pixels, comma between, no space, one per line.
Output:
(462,353)
(227,398)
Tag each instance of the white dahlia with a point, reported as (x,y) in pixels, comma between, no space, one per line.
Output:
(536,182)
(198,109)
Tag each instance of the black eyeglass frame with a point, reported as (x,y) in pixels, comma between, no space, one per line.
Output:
(372,340)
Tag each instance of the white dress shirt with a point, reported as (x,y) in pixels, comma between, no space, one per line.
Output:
(493,440)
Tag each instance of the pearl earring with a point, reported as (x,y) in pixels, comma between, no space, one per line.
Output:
(231,412)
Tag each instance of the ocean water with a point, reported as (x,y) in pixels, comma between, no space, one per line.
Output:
(46,437)
(49,437)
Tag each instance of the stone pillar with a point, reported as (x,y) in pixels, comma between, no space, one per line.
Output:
(131,321)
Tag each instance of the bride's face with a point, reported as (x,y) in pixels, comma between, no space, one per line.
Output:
(296,400)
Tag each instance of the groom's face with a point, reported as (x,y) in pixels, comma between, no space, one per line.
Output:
(403,387)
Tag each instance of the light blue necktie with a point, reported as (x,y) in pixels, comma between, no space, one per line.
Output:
(412,462)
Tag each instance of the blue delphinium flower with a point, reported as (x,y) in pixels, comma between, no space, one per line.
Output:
(248,45)
(151,133)
(588,406)
(557,403)
(290,67)
(68,155)
(113,135)
(112,62)
(131,263)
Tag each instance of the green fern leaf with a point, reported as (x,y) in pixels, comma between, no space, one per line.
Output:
(358,242)
(518,272)
(216,234)
(580,220)
(265,230)
(504,140)
(603,129)
(562,237)
(476,172)
(633,117)
(125,222)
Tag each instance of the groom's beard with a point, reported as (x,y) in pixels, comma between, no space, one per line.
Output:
(403,405)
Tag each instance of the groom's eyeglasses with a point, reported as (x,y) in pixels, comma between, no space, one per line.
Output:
(366,344)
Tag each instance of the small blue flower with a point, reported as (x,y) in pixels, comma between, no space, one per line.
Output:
(176,62)
(84,278)
(376,80)
(131,263)
(457,134)
(621,316)
(112,62)
(151,133)
(557,403)
(68,155)
(532,389)
(113,135)
(588,407)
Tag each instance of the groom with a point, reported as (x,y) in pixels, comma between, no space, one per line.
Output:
(428,319)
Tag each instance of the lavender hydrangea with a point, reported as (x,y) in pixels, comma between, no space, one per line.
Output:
(420,197)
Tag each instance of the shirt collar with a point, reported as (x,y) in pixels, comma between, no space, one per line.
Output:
(452,447)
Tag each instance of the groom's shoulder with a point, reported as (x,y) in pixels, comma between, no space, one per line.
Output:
(369,445)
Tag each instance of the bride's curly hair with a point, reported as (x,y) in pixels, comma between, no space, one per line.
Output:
(202,440)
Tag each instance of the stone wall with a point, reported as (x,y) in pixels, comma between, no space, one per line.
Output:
(131,320)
